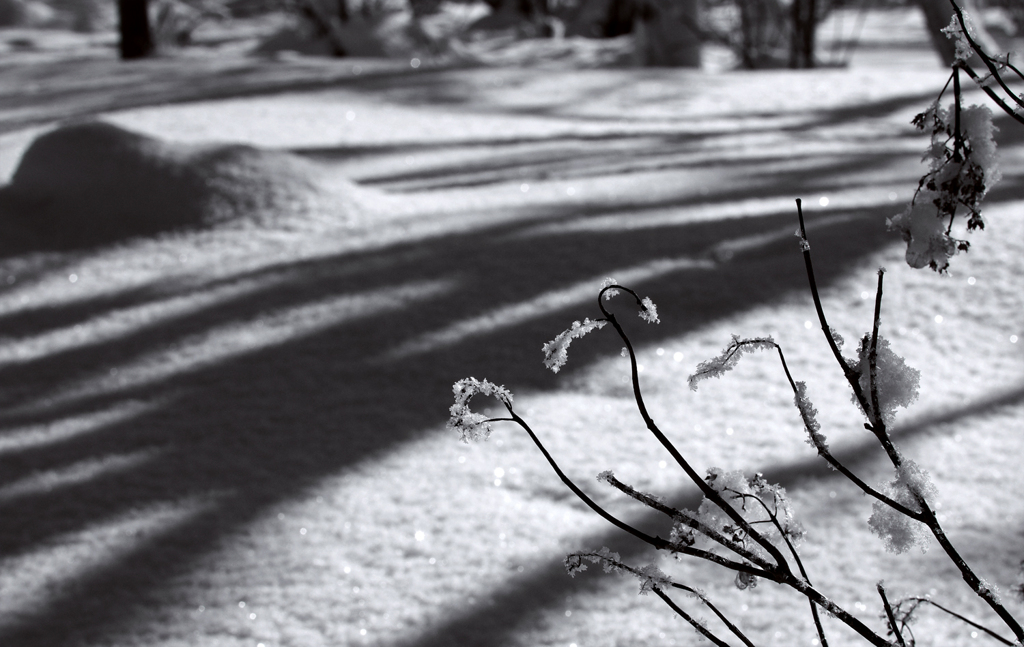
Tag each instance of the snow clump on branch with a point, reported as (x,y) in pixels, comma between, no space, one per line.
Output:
(899,532)
(959,176)
(895,382)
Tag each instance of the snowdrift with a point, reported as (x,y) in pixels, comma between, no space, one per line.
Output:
(91,183)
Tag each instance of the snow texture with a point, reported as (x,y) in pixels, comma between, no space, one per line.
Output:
(92,182)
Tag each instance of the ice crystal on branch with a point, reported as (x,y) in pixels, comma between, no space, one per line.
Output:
(955,32)
(574,562)
(809,414)
(556,351)
(650,577)
(899,532)
(755,499)
(611,293)
(649,313)
(470,425)
(895,382)
(727,359)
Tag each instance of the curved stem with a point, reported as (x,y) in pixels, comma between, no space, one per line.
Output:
(839,467)
(707,490)
(657,542)
(851,376)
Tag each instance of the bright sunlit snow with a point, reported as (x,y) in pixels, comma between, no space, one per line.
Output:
(233,308)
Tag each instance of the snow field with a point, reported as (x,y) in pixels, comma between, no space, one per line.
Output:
(233,436)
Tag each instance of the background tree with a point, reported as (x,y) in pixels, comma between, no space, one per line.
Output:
(133,25)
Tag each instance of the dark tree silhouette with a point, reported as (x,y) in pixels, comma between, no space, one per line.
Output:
(801,46)
(133,23)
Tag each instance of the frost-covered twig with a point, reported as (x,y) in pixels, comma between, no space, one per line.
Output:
(708,491)
(890,618)
(892,521)
(653,579)
(689,520)
(992,64)
(915,601)
(807,411)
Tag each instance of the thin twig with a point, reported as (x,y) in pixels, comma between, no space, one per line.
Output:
(992,94)
(989,62)
(964,619)
(878,424)
(851,376)
(657,542)
(701,629)
(892,619)
(707,490)
(689,521)
(800,565)
(838,466)
(721,616)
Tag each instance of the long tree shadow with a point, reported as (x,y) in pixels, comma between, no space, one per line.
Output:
(255,428)
(262,426)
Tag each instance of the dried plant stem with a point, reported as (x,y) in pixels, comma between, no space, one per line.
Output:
(877,426)
(701,629)
(962,618)
(721,616)
(892,619)
(780,561)
(689,521)
(988,60)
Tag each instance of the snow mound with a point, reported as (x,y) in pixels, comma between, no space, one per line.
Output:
(92,183)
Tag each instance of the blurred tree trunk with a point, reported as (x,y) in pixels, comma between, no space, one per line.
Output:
(665,33)
(133,24)
(801,44)
(937,14)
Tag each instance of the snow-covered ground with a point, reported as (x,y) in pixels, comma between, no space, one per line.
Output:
(233,435)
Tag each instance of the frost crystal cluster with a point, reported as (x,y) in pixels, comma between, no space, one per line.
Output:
(754,498)
(650,576)
(556,351)
(809,414)
(899,532)
(955,32)
(470,425)
(649,313)
(727,359)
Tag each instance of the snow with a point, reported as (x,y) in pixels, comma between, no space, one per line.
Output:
(231,431)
